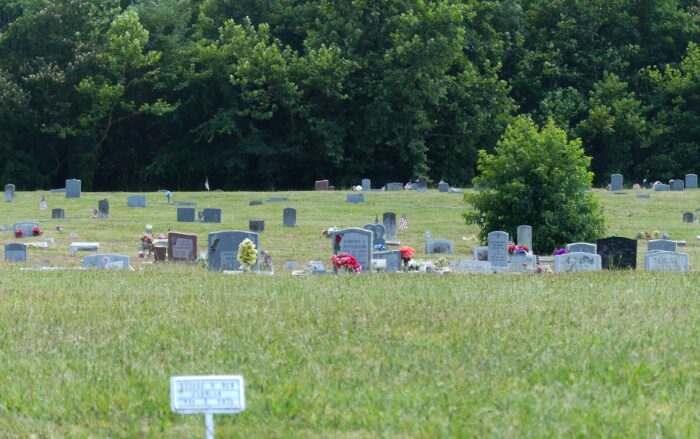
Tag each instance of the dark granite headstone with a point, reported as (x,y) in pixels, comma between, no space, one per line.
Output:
(617,253)
(289,217)
(389,221)
(256,226)
(58,213)
(185,214)
(103,208)
(211,215)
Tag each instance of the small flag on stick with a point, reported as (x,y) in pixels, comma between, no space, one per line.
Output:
(43,205)
(206,183)
(403,223)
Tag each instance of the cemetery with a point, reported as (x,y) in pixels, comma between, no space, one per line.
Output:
(102,310)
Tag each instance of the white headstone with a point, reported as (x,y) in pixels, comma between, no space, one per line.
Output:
(666,261)
(582,247)
(525,236)
(577,262)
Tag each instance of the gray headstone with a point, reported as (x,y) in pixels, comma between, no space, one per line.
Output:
(498,249)
(289,217)
(356,242)
(691,181)
(103,208)
(664,245)
(582,247)
(256,226)
(677,185)
(212,216)
(73,188)
(277,199)
(26,227)
(136,201)
(223,248)
(394,186)
(522,263)
(644,196)
(185,214)
(393,260)
(420,187)
(322,185)
(662,187)
(525,236)
(481,254)
(439,246)
(255,203)
(9,193)
(443,187)
(106,262)
(389,221)
(577,262)
(666,261)
(379,232)
(355,198)
(58,213)
(15,252)
(688,217)
(472,267)
(366,184)
(616,181)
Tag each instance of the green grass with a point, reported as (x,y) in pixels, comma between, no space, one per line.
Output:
(89,354)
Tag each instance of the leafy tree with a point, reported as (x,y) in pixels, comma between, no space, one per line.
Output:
(536,177)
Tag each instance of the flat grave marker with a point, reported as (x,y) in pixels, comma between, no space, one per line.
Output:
(137,201)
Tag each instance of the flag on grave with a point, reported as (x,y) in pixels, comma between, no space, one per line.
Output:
(403,223)
(206,183)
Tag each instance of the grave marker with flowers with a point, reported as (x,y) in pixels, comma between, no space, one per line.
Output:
(355,242)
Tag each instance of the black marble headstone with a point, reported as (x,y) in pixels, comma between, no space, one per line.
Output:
(617,253)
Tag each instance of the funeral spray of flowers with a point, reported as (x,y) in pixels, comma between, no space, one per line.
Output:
(517,249)
(346,262)
(247,254)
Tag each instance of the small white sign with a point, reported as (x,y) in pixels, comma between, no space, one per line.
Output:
(207,394)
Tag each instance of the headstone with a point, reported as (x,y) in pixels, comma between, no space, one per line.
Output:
(691,181)
(389,221)
(9,193)
(481,254)
(256,226)
(73,188)
(355,198)
(103,208)
(617,253)
(439,246)
(643,196)
(576,262)
(394,186)
(677,185)
(443,187)
(356,242)
(26,227)
(664,245)
(106,262)
(666,261)
(420,187)
(616,181)
(498,249)
(379,233)
(223,248)
(136,201)
(289,217)
(688,217)
(366,184)
(472,267)
(58,214)
(277,199)
(393,259)
(321,185)
(582,247)
(522,263)
(212,215)
(15,252)
(525,236)
(182,247)
(83,247)
(255,203)
(662,187)
(185,214)
(316,267)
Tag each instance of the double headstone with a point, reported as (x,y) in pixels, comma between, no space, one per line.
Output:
(355,198)
(256,226)
(525,236)
(15,252)
(106,262)
(394,186)
(321,185)
(182,247)
(289,217)
(103,208)
(498,249)
(691,181)
(666,261)
(379,232)
(9,193)
(616,181)
(617,253)
(366,185)
(212,215)
(582,247)
(389,221)
(355,242)
(136,201)
(26,227)
(73,188)
(677,185)
(223,248)
(576,262)
(58,213)
(185,214)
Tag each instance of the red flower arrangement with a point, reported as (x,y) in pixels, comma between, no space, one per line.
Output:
(407,253)
(19,233)
(517,249)
(36,231)
(346,262)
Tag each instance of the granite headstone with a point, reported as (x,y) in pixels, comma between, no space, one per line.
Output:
(617,253)
(223,248)
(356,242)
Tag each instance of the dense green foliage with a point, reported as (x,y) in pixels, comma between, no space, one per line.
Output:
(141,94)
(538,178)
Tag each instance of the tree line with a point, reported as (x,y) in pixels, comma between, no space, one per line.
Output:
(274,94)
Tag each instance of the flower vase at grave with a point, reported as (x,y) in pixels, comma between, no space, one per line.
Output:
(159,253)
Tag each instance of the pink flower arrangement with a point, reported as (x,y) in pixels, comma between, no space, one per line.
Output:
(19,233)
(36,231)
(517,249)
(347,262)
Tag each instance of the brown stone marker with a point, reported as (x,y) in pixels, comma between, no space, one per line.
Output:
(182,247)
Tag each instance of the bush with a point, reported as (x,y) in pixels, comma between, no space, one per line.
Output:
(536,177)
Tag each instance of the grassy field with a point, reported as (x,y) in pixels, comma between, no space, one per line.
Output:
(89,354)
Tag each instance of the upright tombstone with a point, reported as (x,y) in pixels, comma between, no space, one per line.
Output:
(688,217)
(355,198)
(58,214)
(443,187)
(212,215)
(379,232)
(182,247)
(394,186)
(322,185)
(439,246)
(525,236)
(498,249)
(73,188)
(137,201)
(677,185)
(185,214)
(256,226)
(393,259)
(662,187)
(616,181)
(366,185)
(106,262)
(691,181)
(666,261)
(223,248)
(582,247)
(661,245)
(389,221)
(15,252)
(576,262)
(289,217)
(26,227)
(481,254)
(617,253)
(356,242)
(472,267)
(9,193)
(103,208)
(420,186)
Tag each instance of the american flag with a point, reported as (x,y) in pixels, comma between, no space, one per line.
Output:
(403,223)
(206,183)
(43,205)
